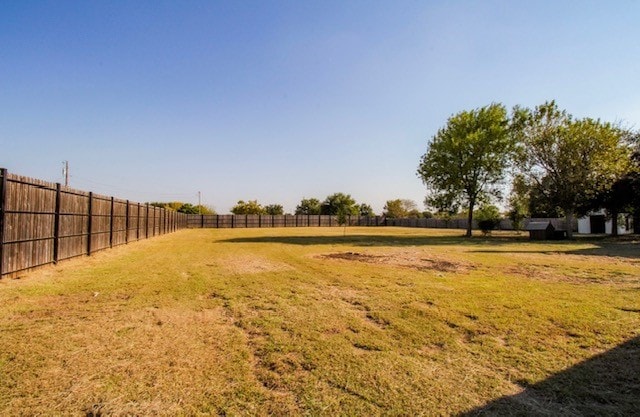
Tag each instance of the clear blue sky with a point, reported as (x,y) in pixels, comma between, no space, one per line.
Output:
(280,100)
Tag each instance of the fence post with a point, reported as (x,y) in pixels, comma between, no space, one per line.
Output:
(90,223)
(126,224)
(202,221)
(56,226)
(111,225)
(146,226)
(217,221)
(3,197)
(138,224)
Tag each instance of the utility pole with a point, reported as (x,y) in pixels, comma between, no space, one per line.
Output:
(65,173)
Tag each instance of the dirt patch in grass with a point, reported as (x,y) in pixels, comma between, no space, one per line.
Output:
(407,259)
(252,265)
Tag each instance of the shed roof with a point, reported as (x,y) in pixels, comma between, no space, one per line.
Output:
(540,226)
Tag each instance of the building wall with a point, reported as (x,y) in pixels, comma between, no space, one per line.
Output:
(584,225)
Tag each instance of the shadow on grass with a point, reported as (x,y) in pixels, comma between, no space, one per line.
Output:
(605,385)
(625,247)
(380,240)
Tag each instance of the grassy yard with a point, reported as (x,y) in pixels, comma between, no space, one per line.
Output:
(384,321)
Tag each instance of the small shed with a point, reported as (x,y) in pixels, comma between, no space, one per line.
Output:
(541,230)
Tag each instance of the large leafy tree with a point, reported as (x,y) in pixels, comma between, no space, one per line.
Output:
(519,201)
(339,203)
(569,161)
(188,209)
(634,179)
(308,206)
(365,210)
(274,209)
(623,196)
(399,208)
(248,207)
(467,159)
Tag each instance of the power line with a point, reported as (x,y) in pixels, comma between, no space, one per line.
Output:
(120,189)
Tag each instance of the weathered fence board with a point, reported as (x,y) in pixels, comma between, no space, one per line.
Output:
(241,221)
(43,222)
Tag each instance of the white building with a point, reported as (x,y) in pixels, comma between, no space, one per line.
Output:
(597,223)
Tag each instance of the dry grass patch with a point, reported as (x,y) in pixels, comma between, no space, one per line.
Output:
(384,321)
(247,264)
(415,259)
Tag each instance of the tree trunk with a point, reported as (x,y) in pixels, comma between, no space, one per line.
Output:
(636,221)
(470,219)
(569,223)
(614,222)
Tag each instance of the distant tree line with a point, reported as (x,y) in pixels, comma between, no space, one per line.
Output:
(334,204)
(253,207)
(186,208)
(558,165)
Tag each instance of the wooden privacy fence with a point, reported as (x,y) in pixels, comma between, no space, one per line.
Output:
(504,224)
(43,222)
(221,221)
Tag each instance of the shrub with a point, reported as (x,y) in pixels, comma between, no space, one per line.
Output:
(488,217)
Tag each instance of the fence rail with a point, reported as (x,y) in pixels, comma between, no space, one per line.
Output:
(43,222)
(504,224)
(224,221)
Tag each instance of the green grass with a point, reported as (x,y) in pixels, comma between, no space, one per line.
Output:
(383,321)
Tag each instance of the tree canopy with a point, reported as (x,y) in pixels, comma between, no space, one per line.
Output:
(186,208)
(570,162)
(274,209)
(365,210)
(624,195)
(248,207)
(466,160)
(400,208)
(308,206)
(339,203)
